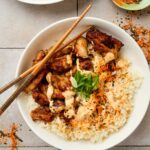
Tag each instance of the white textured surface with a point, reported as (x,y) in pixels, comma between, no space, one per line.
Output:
(19,23)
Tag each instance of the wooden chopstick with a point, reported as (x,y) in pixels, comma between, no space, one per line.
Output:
(41,64)
(23,75)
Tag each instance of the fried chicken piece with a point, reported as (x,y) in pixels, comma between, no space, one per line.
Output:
(60,82)
(103,43)
(35,82)
(61,64)
(86,64)
(40,98)
(43,87)
(65,51)
(81,47)
(42,114)
(57,94)
(40,55)
(58,103)
(71,72)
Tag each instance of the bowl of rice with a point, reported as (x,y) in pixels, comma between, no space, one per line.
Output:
(128,95)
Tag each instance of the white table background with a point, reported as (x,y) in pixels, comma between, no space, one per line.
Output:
(18,24)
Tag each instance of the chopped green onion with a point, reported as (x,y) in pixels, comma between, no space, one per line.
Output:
(85,84)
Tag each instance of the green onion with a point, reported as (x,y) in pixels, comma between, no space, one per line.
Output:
(85,84)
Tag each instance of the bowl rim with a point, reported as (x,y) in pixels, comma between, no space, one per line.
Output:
(40,3)
(71,19)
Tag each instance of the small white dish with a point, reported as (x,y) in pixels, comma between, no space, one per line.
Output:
(131,50)
(40,2)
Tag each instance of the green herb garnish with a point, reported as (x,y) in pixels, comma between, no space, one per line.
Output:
(85,84)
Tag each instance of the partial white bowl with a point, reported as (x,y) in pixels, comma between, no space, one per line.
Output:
(40,2)
(131,50)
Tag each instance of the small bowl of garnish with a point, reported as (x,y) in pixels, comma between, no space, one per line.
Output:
(132,4)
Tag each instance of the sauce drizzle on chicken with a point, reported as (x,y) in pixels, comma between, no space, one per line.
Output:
(94,56)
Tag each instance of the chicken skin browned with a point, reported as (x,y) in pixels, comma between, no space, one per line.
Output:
(57,94)
(42,113)
(103,43)
(61,64)
(86,64)
(61,82)
(40,98)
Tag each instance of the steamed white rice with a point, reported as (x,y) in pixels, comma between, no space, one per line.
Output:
(115,114)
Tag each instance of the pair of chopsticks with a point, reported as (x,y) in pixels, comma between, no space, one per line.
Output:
(33,71)
(24,74)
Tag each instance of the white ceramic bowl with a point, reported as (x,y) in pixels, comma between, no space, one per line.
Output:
(131,50)
(40,2)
